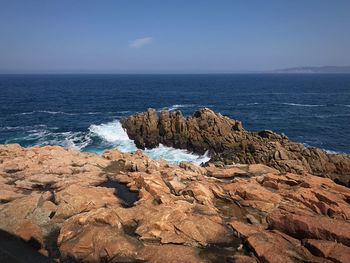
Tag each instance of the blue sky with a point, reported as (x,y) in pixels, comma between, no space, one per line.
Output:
(171,36)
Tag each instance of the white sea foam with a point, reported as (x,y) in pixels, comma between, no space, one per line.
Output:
(75,140)
(46,112)
(180,106)
(114,135)
(303,105)
(173,155)
(99,137)
(68,113)
(93,113)
(331,152)
(19,128)
(111,132)
(47,136)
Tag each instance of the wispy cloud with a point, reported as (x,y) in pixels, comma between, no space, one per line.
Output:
(140,42)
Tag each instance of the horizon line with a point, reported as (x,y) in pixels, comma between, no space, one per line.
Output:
(176,73)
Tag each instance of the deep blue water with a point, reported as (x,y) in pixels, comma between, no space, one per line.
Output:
(81,111)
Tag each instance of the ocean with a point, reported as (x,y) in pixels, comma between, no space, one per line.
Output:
(83,111)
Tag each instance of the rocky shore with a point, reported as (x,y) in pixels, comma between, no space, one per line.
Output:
(68,206)
(228,142)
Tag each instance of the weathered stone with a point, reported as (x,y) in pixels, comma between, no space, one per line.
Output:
(276,247)
(182,211)
(170,254)
(227,142)
(310,226)
(96,236)
(76,199)
(333,251)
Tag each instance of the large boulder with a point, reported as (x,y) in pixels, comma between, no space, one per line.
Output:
(228,142)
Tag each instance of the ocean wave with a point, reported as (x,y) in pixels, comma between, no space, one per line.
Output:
(114,135)
(68,113)
(45,112)
(180,106)
(302,105)
(176,156)
(96,139)
(75,140)
(22,128)
(93,113)
(110,132)
(43,136)
(331,152)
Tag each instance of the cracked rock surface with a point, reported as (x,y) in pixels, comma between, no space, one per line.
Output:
(69,206)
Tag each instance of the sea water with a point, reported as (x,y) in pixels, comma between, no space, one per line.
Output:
(83,111)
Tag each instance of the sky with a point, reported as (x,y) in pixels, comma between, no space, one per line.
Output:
(190,36)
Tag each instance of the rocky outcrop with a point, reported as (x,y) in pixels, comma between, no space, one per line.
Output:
(228,142)
(62,204)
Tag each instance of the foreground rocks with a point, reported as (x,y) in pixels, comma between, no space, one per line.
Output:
(60,204)
(228,142)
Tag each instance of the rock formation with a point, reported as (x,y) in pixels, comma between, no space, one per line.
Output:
(59,203)
(228,142)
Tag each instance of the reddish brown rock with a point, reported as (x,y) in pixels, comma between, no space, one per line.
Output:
(97,236)
(276,247)
(76,199)
(28,217)
(227,173)
(252,191)
(333,251)
(181,223)
(244,230)
(170,254)
(244,259)
(304,225)
(182,211)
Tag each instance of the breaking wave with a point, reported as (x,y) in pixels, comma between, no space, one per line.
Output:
(44,136)
(45,112)
(180,106)
(303,105)
(114,135)
(96,139)
(283,103)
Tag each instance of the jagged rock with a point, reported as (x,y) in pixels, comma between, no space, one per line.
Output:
(303,225)
(276,247)
(228,142)
(28,217)
(333,251)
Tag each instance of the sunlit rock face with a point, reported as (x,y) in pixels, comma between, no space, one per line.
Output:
(125,207)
